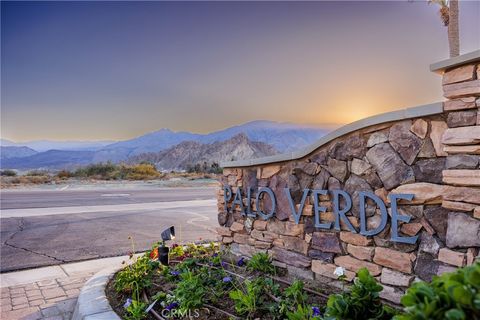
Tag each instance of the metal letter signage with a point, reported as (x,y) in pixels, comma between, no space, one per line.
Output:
(265,194)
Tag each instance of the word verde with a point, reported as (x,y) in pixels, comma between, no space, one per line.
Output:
(265,193)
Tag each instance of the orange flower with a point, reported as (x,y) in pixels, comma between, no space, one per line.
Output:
(154,254)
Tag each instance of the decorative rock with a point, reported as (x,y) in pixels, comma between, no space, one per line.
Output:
(260,225)
(462,231)
(241,238)
(295,244)
(426,225)
(429,244)
(424,192)
(222,218)
(353,146)
(463,194)
(411,229)
(362,253)
(395,278)
(458,206)
(462,89)
(393,259)
(463,73)
(320,255)
(302,273)
(472,253)
(462,177)
(262,244)
(420,128)
(476,213)
(462,119)
(442,268)
(353,186)
(224,231)
(376,138)
(451,257)
(265,236)
(462,135)
(429,170)
(333,184)
(426,266)
(475,149)
(389,166)
(353,264)
(320,180)
(354,238)
(227,240)
(427,150)
(327,270)
(404,142)
(309,168)
(268,171)
(461,161)
(237,227)
(326,242)
(290,258)
(337,168)
(436,133)
(459,104)
(359,167)
(391,294)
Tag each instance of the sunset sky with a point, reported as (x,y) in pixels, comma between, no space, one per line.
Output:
(116,70)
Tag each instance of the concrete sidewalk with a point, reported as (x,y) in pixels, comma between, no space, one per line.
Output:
(47,293)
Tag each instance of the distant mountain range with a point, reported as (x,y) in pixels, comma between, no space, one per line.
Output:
(169,149)
(45,145)
(188,153)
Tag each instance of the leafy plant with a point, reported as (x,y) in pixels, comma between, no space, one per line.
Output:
(190,291)
(450,296)
(261,262)
(136,310)
(362,302)
(302,313)
(293,297)
(247,300)
(137,276)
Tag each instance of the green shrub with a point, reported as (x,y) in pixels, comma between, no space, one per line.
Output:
(362,302)
(136,310)
(137,276)
(247,300)
(190,291)
(8,173)
(261,262)
(450,296)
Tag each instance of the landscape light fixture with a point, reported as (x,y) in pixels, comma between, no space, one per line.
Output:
(163,250)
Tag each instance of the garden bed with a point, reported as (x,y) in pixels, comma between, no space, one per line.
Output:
(202,283)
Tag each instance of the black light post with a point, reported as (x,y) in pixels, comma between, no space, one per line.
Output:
(163,250)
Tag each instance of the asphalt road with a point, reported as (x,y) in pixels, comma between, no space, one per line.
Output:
(65,198)
(39,230)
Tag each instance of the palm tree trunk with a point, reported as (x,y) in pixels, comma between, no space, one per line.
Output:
(453,30)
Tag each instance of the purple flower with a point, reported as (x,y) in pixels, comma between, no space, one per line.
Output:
(174,273)
(127,303)
(223,263)
(215,254)
(316,311)
(241,262)
(227,279)
(171,306)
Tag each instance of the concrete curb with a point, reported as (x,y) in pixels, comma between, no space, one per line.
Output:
(92,303)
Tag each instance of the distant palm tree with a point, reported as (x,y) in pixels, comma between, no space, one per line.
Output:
(449,16)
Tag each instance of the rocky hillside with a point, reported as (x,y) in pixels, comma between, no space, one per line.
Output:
(189,153)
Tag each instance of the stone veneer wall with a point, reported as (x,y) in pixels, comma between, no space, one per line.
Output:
(434,157)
